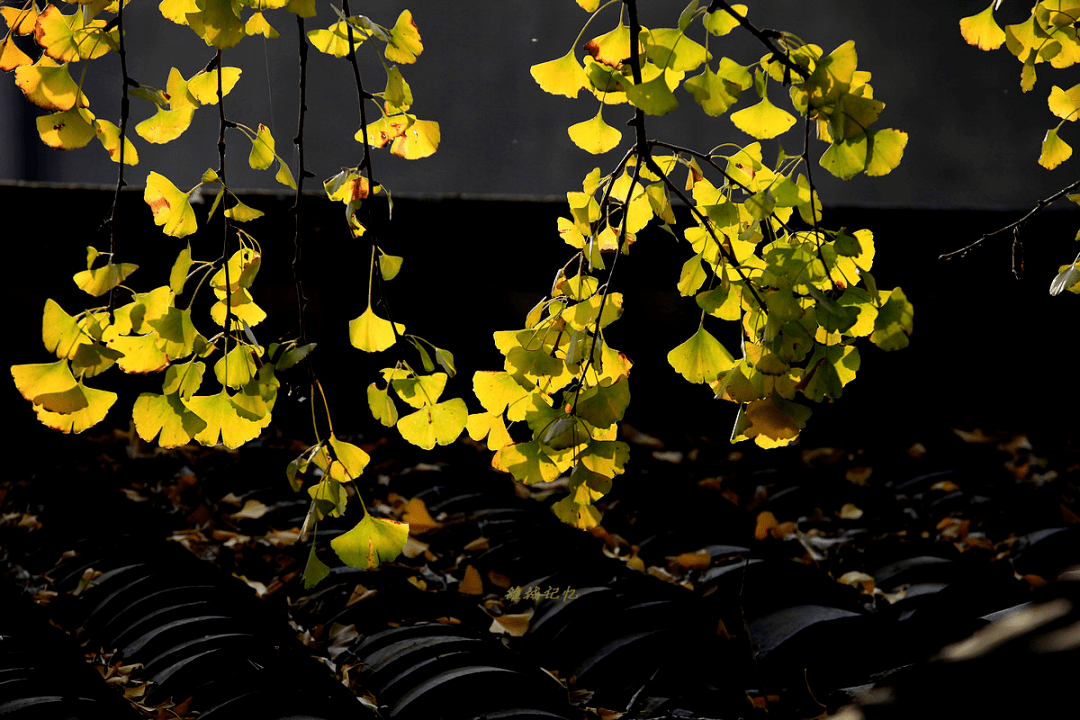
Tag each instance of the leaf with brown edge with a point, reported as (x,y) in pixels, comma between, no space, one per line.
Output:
(48,85)
(11,56)
(21,21)
(171,207)
(68,38)
(404,43)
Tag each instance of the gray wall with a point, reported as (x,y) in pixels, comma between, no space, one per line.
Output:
(974,137)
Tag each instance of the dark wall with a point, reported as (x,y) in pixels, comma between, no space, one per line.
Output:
(988,350)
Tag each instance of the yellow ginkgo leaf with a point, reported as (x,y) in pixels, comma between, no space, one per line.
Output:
(595,135)
(165,418)
(69,38)
(141,354)
(21,21)
(67,130)
(419,140)
(262,149)
(166,125)
(170,206)
(257,25)
(653,97)
(203,86)
(218,22)
(763,120)
(701,358)
(100,280)
(563,76)
(371,333)
(404,43)
(721,22)
(982,30)
(373,541)
(48,85)
(109,135)
(885,151)
(93,406)
(225,422)
(1063,103)
(11,56)
(39,381)
(1054,150)
(440,424)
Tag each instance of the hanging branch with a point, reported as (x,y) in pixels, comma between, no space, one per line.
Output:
(303,173)
(1014,227)
(110,221)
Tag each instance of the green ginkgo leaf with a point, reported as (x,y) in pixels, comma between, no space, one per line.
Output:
(382,405)
(847,158)
(563,76)
(595,135)
(371,333)
(653,97)
(701,359)
(526,462)
(714,93)
(315,571)
(763,120)
(373,541)
(440,424)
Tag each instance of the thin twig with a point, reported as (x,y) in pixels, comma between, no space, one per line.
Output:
(765,36)
(1015,225)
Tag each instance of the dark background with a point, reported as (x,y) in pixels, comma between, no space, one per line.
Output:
(974,137)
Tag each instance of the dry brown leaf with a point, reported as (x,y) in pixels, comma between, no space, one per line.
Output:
(471,584)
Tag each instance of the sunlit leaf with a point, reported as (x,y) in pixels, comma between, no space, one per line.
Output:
(382,405)
(419,140)
(217,22)
(885,149)
(372,541)
(603,406)
(165,415)
(225,422)
(21,21)
(721,22)
(982,30)
(701,358)
(579,515)
(109,135)
(847,158)
(100,280)
(203,86)
(371,333)
(563,76)
(243,213)
(262,149)
(1066,279)
(170,206)
(653,97)
(405,42)
(763,120)
(258,25)
(48,85)
(670,48)
(70,38)
(491,426)
(93,406)
(11,56)
(1054,150)
(771,421)
(441,423)
(67,130)
(595,135)
(715,94)
(526,462)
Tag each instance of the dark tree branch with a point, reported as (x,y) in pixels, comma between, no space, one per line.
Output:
(1015,226)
